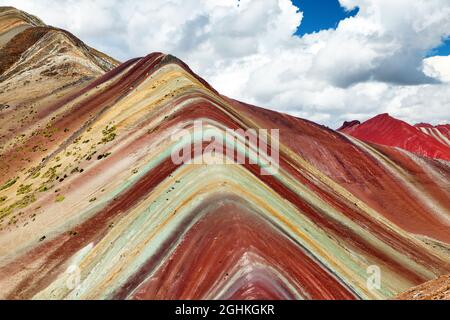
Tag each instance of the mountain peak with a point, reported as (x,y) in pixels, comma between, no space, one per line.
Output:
(14,13)
(386,130)
(37,60)
(14,21)
(349,124)
(386,118)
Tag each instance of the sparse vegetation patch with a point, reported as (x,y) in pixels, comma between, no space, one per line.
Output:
(8,184)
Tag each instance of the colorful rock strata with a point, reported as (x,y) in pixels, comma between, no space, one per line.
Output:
(92,206)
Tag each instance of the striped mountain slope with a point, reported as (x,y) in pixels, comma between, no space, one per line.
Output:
(423,139)
(13,22)
(441,133)
(38,66)
(93,206)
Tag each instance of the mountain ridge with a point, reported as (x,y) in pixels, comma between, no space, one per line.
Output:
(40,65)
(90,190)
(386,130)
(14,21)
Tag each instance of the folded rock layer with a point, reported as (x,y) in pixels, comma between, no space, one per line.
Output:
(94,207)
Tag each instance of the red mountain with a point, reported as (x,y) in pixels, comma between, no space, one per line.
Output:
(440,133)
(422,139)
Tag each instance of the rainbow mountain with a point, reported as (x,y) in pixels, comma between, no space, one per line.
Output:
(92,206)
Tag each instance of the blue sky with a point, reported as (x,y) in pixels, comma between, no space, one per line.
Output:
(320,15)
(326,14)
(443,50)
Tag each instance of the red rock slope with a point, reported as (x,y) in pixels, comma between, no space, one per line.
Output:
(424,140)
(441,133)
